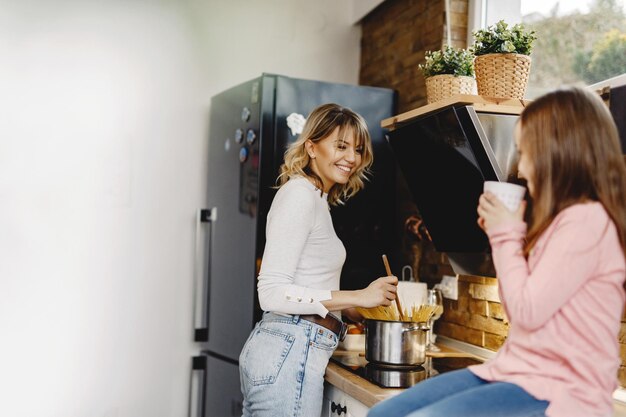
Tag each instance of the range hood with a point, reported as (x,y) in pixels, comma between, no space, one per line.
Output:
(446,151)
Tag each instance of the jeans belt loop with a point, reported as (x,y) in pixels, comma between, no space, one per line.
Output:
(344,327)
(344,331)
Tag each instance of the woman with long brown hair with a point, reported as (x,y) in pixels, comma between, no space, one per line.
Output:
(561,283)
(282,364)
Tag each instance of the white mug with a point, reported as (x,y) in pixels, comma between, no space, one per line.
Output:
(511,195)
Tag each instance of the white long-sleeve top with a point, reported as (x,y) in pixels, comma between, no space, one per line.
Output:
(303,256)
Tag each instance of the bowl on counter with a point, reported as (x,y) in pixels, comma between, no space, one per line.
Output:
(354,342)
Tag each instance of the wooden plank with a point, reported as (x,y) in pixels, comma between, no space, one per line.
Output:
(446,352)
(481,103)
(452,355)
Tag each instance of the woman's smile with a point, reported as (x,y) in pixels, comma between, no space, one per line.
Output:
(335,159)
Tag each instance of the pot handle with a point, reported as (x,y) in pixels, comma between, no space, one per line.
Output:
(416,326)
(411,329)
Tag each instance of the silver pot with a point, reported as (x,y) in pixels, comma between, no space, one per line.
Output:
(395,376)
(395,342)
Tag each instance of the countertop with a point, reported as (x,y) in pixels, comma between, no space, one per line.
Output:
(365,391)
(357,387)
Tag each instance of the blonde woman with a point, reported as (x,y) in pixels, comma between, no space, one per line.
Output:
(283,362)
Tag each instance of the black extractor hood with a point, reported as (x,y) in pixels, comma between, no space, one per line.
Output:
(446,151)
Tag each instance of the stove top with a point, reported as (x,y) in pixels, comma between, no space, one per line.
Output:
(387,376)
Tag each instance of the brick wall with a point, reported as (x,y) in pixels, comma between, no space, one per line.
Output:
(395,37)
(477,317)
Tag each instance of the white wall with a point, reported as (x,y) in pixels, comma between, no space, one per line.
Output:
(298,38)
(361,8)
(103,143)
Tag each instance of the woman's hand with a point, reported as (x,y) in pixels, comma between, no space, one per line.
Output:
(380,292)
(492,213)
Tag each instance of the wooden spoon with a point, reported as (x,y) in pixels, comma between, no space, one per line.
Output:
(388,269)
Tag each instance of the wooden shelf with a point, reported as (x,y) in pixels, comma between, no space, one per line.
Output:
(480,103)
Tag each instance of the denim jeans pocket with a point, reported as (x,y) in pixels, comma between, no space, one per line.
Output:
(265,354)
(324,339)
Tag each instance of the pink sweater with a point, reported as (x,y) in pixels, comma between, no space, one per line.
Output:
(564,305)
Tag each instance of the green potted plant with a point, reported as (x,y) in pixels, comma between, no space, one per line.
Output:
(448,72)
(502,62)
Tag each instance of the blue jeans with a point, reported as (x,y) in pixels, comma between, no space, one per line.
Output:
(461,394)
(282,367)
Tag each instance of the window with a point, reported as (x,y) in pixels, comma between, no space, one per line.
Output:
(578,40)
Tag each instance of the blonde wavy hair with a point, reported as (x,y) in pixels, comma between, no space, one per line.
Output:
(573,142)
(320,124)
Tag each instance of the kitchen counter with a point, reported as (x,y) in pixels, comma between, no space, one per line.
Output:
(357,387)
(367,392)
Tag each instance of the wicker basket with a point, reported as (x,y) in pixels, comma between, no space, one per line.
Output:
(443,86)
(502,75)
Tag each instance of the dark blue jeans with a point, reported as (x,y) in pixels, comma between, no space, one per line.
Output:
(461,394)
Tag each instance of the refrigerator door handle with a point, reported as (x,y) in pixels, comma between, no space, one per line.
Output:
(204,231)
(197,390)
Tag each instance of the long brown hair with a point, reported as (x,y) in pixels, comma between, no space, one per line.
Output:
(571,138)
(320,124)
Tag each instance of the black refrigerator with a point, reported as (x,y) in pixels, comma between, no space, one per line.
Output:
(248,135)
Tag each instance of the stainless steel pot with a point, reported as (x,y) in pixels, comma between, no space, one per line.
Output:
(395,342)
(395,376)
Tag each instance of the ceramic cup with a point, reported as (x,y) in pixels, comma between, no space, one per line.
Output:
(511,195)
(411,293)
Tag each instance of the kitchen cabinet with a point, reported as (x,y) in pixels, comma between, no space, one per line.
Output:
(338,403)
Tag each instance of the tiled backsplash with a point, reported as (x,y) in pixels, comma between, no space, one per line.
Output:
(477,316)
